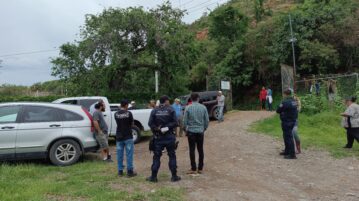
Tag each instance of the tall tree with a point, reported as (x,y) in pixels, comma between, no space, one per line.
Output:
(117,52)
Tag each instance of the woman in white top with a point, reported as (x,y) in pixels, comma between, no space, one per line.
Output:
(351,121)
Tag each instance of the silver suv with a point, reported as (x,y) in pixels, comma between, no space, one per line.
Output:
(59,132)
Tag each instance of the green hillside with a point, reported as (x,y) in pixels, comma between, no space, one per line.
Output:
(245,41)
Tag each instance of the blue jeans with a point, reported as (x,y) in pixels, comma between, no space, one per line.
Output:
(121,146)
(220,113)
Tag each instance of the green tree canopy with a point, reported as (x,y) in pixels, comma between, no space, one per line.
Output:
(117,51)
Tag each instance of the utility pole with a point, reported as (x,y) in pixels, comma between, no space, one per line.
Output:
(293,40)
(156,74)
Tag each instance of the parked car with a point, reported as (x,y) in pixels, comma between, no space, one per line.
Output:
(207,98)
(140,116)
(61,133)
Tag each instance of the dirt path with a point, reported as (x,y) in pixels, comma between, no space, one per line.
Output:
(244,166)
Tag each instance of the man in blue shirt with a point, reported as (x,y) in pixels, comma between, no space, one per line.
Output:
(196,123)
(177,107)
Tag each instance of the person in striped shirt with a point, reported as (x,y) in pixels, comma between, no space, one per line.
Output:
(195,123)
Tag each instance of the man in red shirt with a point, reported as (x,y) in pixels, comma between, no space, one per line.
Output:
(263,98)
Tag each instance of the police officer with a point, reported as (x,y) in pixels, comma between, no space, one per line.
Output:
(163,122)
(288,114)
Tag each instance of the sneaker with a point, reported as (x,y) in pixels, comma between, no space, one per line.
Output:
(290,157)
(175,178)
(152,179)
(191,172)
(120,173)
(283,153)
(131,173)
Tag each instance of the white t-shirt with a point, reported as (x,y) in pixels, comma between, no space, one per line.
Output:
(221,100)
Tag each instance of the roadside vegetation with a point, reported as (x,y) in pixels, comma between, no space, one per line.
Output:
(90,180)
(319,131)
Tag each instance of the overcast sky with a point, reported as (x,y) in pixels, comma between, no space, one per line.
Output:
(41,25)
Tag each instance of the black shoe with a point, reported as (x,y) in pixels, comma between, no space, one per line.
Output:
(120,173)
(152,179)
(175,178)
(131,173)
(290,157)
(109,160)
(283,153)
(347,147)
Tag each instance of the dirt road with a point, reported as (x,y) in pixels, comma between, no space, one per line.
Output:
(245,166)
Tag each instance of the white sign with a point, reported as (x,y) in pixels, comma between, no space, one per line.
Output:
(225,85)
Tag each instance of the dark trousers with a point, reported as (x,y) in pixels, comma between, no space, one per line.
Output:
(263,104)
(352,133)
(162,142)
(287,128)
(196,140)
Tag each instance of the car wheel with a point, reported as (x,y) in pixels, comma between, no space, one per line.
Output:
(136,132)
(65,152)
(215,113)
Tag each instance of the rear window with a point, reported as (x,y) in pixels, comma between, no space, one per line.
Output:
(40,114)
(71,102)
(114,108)
(71,116)
(87,103)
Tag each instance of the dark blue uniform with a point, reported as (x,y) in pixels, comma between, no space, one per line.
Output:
(161,117)
(288,114)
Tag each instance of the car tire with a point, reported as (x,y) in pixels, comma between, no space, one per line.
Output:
(136,132)
(65,152)
(215,113)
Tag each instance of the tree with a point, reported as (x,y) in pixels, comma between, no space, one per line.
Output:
(117,50)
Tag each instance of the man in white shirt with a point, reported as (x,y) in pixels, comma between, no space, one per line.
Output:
(220,105)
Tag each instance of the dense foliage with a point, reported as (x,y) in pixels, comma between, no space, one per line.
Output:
(118,50)
(244,41)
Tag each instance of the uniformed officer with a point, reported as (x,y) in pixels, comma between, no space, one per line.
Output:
(162,122)
(288,114)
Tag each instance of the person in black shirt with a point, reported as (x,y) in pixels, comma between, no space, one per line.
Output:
(124,139)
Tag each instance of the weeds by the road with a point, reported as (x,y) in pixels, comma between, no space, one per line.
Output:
(83,181)
(322,131)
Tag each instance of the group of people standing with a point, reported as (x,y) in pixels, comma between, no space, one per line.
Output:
(164,121)
(266,98)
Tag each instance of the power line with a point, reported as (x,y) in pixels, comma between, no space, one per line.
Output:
(199,5)
(200,9)
(27,53)
(187,3)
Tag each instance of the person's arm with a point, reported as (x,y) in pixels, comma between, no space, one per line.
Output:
(349,112)
(185,119)
(96,122)
(173,123)
(151,121)
(280,108)
(97,127)
(132,122)
(206,119)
